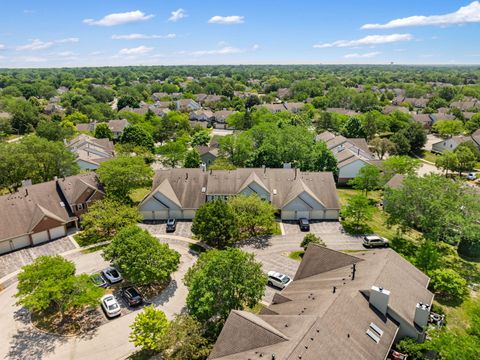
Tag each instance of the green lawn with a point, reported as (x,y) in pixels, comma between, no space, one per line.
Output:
(137,195)
(296,255)
(377,224)
(429,156)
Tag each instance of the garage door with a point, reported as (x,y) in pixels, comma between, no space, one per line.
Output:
(40,237)
(302,214)
(288,215)
(176,214)
(20,242)
(5,247)
(57,232)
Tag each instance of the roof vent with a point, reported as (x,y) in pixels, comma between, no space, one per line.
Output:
(204,190)
(62,204)
(274,191)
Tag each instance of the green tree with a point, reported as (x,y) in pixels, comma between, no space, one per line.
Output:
(472,147)
(124,174)
(102,131)
(455,345)
(25,115)
(466,159)
(242,285)
(358,210)
(254,216)
(192,159)
(173,152)
(148,329)
(447,161)
(353,128)
(221,163)
(367,179)
(321,159)
(137,135)
(382,146)
(50,282)
(448,128)
(201,137)
(77,118)
(447,283)
(215,224)
(184,340)
(402,145)
(311,238)
(428,257)
(54,131)
(105,218)
(474,123)
(141,258)
(399,164)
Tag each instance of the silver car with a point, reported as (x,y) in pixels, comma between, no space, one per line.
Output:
(110,306)
(370,241)
(278,280)
(112,275)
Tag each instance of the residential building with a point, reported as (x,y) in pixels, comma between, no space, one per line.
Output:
(338,307)
(294,107)
(91,152)
(178,193)
(351,154)
(208,154)
(342,111)
(201,115)
(187,105)
(42,212)
(117,127)
(451,143)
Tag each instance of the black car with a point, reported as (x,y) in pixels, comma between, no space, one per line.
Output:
(131,296)
(304,224)
(171,225)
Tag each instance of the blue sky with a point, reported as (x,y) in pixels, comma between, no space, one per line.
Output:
(52,33)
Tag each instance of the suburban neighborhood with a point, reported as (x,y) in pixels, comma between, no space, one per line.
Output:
(181,185)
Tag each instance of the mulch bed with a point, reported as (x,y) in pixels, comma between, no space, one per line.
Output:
(72,323)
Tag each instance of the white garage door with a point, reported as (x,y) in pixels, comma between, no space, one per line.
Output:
(40,237)
(57,232)
(176,214)
(20,242)
(5,247)
(302,214)
(288,215)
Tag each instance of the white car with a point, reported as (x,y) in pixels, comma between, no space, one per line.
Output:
(278,280)
(471,176)
(110,306)
(370,241)
(112,275)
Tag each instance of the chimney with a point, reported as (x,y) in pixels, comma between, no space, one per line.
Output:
(379,299)
(422,313)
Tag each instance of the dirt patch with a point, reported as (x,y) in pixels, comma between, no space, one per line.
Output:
(72,323)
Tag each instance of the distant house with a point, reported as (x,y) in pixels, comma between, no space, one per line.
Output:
(294,107)
(423,119)
(339,306)
(208,154)
(395,182)
(466,105)
(351,154)
(53,108)
(90,152)
(187,105)
(273,108)
(284,93)
(42,212)
(117,127)
(62,90)
(221,115)
(418,103)
(178,193)
(450,143)
(201,115)
(392,108)
(342,111)
(159,96)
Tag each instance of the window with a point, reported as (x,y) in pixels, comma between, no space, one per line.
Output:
(80,207)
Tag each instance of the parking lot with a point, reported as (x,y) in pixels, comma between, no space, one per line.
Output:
(184,228)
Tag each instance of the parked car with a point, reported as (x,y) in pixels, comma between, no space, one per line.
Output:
(171,225)
(278,280)
(110,306)
(471,176)
(304,224)
(371,241)
(112,275)
(98,280)
(131,296)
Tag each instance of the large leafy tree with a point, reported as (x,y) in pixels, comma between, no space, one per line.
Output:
(447,161)
(382,146)
(215,224)
(448,284)
(173,152)
(192,159)
(102,131)
(254,216)
(139,136)
(443,209)
(448,128)
(148,329)
(184,340)
(124,174)
(367,179)
(105,218)
(55,131)
(358,210)
(50,283)
(221,281)
(141,258)
(398,164)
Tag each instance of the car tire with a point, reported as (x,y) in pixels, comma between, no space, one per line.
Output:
(269,283)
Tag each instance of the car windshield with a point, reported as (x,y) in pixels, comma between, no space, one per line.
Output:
(170,221)
(112,306)
(285,279)
(114,272)
(133,293)
(304,221)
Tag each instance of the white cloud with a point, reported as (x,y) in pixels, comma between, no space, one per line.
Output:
(143,37)
(2,46)
(66,53)
(227,50)
(140,50)
(227,20)
(256,47)
(177,15)
(36,44)
(367,40)
(362,56)
(120,18)
(30,59)
(464,15)
(68,40)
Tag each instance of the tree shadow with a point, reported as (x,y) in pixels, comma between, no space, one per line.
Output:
(255,242)
(29,343)
(166,294)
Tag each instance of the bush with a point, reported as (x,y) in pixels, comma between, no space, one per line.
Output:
(149,327)
(448,284)
(311,238)
(469,249)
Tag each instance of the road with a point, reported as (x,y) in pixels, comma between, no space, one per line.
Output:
(19,340)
